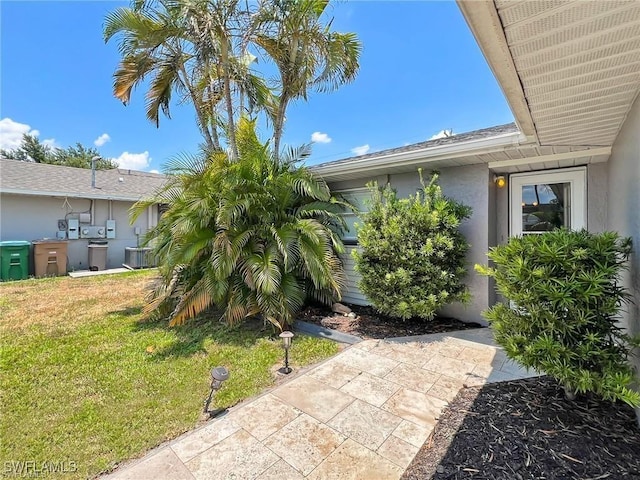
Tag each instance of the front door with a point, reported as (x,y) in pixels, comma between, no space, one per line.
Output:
(543,201)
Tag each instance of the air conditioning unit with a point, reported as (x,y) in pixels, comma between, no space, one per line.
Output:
(138,257)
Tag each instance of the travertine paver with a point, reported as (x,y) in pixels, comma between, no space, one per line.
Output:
(314,397)
(412,377)
(237,456)
(415,406)
(164,464)
(265,416)
(353,461)
(412,433)
(398,451)
(204,438)
(304,443)
(366,424)
(335,374)
(371,389)
(363,414)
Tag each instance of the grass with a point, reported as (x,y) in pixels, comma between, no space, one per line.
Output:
(85,379)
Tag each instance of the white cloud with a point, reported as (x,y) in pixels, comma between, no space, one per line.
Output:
(154,171)
(319,137)
(361,150)
(11,133)
(133,161)
(51,143)
(442,134)
(101,140)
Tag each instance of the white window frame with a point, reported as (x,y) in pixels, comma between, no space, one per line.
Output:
(345,192)
(576,177)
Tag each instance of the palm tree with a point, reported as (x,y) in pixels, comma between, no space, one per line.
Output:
(307,53)
(251,236)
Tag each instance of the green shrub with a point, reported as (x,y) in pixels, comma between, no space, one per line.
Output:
(564,318)
(413,255)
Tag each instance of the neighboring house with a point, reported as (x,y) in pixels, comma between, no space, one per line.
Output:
(51,201)
(570,71)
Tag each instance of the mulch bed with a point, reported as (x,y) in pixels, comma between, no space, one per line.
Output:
(367,323)
(526,429)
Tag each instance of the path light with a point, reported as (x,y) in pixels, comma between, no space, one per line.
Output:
(218,376)
(286,337)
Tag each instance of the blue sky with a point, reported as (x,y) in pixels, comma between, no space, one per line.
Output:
(421,72)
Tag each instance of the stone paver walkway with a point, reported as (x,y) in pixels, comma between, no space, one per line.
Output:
(364,413)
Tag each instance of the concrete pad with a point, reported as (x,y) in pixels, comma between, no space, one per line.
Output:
(204,438)
(366,424)
(353,461)
(304,443)
(398,451)
(164,464)
(413,377)
(313,397)
(237,456)
(265,416)
(416,407)
(91,273)
(371,389)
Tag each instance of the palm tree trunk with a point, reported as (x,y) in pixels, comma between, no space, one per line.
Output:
(224,51)
(278,126)
(212,142)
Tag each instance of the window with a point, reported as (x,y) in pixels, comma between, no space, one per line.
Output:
(544,201)
(357,197)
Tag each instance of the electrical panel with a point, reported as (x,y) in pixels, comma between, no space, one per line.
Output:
(111,229)
(73,229)
(93,231)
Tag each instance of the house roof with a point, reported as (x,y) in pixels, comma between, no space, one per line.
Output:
(569,69)
(27,178)
(503,149)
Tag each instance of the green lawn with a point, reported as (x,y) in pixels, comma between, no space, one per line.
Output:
(85,379)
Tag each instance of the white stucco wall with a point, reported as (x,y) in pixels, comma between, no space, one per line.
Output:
(24,217)
(623,209)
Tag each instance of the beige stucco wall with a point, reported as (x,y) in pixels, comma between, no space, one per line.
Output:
(623,209)
(469,185)
(24,217)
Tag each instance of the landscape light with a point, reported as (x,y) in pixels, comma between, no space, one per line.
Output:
(218,376)
(286,337)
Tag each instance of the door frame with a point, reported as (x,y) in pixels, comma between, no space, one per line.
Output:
(575,176)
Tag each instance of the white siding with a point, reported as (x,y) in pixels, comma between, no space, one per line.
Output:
(352,294)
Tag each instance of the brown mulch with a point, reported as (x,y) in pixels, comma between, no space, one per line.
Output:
(527,430)
(367,323)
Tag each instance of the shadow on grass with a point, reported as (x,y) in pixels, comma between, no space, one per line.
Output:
(192,336)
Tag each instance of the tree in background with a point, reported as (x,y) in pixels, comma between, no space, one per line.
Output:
(413,255)
(255,235)
(33,150)
(201,50)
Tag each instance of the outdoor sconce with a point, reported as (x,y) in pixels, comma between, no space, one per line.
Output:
(218,376)
(286,337)
(500,181)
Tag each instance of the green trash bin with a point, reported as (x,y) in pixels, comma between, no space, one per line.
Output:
(14,260)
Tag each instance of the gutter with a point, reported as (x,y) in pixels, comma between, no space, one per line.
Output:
(90,196)
(423,155)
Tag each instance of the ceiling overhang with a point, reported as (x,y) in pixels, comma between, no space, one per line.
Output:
(570,69)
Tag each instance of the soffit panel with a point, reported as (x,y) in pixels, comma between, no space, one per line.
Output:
(578,63)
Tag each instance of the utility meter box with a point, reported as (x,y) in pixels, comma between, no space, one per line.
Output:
(111,229)
(73,229)
(93,231)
